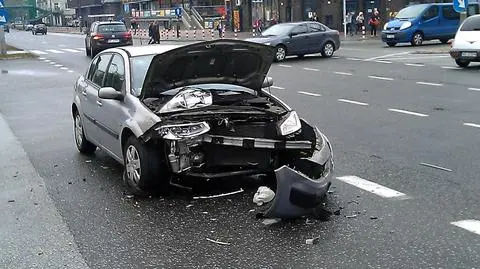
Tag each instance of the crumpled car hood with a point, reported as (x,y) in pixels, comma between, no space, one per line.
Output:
(221,61)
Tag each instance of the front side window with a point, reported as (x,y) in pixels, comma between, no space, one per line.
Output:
(115,76)
(316,27)
(431,13)
(101,69)
(449,13)
(301,29)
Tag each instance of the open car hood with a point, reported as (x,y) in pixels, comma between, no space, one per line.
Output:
(220,61)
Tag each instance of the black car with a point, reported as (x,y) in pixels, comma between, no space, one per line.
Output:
(104,35)
(300,38)
(39,29)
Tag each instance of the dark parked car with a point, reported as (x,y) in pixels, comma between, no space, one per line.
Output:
(200,111)
(39,29)
(300,38)
(104,35)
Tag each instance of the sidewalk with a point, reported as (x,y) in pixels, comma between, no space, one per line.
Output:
(32,232)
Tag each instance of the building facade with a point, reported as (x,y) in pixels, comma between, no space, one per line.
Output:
(59,13)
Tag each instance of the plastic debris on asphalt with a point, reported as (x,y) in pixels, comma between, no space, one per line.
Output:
(312,241)
(218,242)
(271,221)
(218,195)
(263,195)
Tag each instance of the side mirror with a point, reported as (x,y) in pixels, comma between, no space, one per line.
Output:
(109,93)
(267,82)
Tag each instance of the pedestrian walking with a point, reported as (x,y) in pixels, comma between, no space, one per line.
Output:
(150,33)
(156,32)
(219,29)
(353,25)
(360,22)
(348,20)
(374,22)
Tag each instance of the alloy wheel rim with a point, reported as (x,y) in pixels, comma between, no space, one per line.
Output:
(280,53)
(418,39)
(78,131)
(133,164)
(328,49)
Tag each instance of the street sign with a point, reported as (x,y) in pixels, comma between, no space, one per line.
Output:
(2,3)
(178,12)
(459,5)
(3,16)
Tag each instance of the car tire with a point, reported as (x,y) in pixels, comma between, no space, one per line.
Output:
(462,63)
(328,49)
(144,172)
(281,53)
(391,44)
(444,41)
(83,145)
(417,39)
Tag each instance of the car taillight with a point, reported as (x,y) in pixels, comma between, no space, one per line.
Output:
(98,36)
(127,35)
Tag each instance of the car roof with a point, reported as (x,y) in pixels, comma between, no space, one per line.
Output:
(134,51)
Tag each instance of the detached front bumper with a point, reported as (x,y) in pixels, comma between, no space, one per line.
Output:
(302,185)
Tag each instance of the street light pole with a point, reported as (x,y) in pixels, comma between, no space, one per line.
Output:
(345,18)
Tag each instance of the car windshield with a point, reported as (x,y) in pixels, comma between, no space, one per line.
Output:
(471,24)
(139,67)
(278,30)
(411,12)
(111,28)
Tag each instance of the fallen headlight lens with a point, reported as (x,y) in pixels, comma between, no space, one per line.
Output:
(405,25)
(188,99)
(182,131)
(291,124)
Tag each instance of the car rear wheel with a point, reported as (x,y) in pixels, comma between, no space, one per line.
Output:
(417,39)
(144,171)
(328,50)
(281,53)
(462,63)
(391,44)
(83,145)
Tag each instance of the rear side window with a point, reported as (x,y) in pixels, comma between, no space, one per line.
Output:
(431,13)
(449,13)
(111,28)
(471,24)
(316,27)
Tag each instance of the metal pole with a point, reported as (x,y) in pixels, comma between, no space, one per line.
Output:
(3,43)
(345,18)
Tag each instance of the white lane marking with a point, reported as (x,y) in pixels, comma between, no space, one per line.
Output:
(417,65)
(58,65)
(352,102)
(343,73)
(385,56)
(309,93)
(71,50)
(382,62)
(335,57)
(285,65)
(381,78)
(419,57)
(471,124)
(42,58)
(278,88)
(64,68)
(82,49)
(70,71)
(470,225)
(430,84)
(52,63)
(354,59)
(310,69)
(47,61)
(451,67)
(372,187)
(437,167)
(474,89)
(408,112)
(55,51)
(39,52)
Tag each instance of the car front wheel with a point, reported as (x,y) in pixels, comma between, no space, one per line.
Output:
(83,145)
(417,39)
(144,171)
(328,50)
(281,53)
(462,63)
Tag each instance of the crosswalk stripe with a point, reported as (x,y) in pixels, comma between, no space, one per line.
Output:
(55,51)
(38,52)
(71,50)
(81,49)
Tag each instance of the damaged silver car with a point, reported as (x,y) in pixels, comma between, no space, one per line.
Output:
(199,111)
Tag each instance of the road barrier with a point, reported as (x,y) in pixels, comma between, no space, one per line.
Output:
(363,31)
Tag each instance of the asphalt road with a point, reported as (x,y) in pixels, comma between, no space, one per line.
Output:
(386,110)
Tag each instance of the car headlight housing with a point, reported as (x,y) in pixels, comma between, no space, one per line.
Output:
(405,25)
(385,26)
(182,131)
(188,99)
(290,124)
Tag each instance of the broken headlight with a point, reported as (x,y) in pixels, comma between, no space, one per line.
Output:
(181,131)
(290,124)
(188,99)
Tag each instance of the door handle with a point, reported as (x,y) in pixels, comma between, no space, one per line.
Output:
(99,103)
(84,93)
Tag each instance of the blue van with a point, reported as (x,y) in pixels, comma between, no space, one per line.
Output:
(417,23)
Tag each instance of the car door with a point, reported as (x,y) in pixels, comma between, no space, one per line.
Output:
(93,85)
(88,37)
(318,35)
(112,113)
(430,23)
(299,38)
(450,21)
(86,94)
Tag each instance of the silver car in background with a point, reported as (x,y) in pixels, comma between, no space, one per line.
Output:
(199,111)
(466,45)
